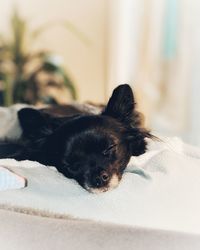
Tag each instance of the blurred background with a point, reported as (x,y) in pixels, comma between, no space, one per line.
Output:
(60,50)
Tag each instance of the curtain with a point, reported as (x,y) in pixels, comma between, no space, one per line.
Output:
(154,45)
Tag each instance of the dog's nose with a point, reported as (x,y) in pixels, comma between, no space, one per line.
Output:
(98,182)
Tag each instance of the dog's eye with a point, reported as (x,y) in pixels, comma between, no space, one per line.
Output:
(109,149)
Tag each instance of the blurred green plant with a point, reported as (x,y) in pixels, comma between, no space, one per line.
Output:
(16,59)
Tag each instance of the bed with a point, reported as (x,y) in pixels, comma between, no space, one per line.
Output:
(156,205)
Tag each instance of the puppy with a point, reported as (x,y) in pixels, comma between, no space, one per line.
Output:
(93,149)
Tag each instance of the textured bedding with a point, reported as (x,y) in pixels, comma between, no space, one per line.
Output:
(156,205)
(10,180)
(22,232)
(160,190)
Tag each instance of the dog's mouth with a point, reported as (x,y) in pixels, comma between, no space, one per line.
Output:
(113,183)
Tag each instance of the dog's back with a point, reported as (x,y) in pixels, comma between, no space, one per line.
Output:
(10,149)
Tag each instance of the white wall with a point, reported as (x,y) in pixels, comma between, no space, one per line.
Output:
(86,64)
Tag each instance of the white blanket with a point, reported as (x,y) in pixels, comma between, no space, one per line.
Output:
(9,124)
(10,180)
(161,189)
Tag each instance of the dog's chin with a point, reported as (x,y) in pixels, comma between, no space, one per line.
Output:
(113,183)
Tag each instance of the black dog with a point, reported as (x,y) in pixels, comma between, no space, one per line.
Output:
(92,149)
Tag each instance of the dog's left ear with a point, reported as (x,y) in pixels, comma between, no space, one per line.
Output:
(32,122)
(121,104)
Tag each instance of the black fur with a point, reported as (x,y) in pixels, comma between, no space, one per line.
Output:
(92,149)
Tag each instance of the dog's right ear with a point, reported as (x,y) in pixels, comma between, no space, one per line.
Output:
(121,104)
(32,121)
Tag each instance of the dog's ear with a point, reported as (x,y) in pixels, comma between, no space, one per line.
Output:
(32,121)
(121,104)
(136,141)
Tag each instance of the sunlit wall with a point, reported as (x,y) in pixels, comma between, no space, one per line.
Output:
(84,60)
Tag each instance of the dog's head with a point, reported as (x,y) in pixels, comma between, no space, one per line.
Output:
(95,149)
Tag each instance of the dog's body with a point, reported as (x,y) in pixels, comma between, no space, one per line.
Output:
(93,149)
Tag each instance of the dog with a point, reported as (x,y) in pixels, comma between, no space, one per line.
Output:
(93,149)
